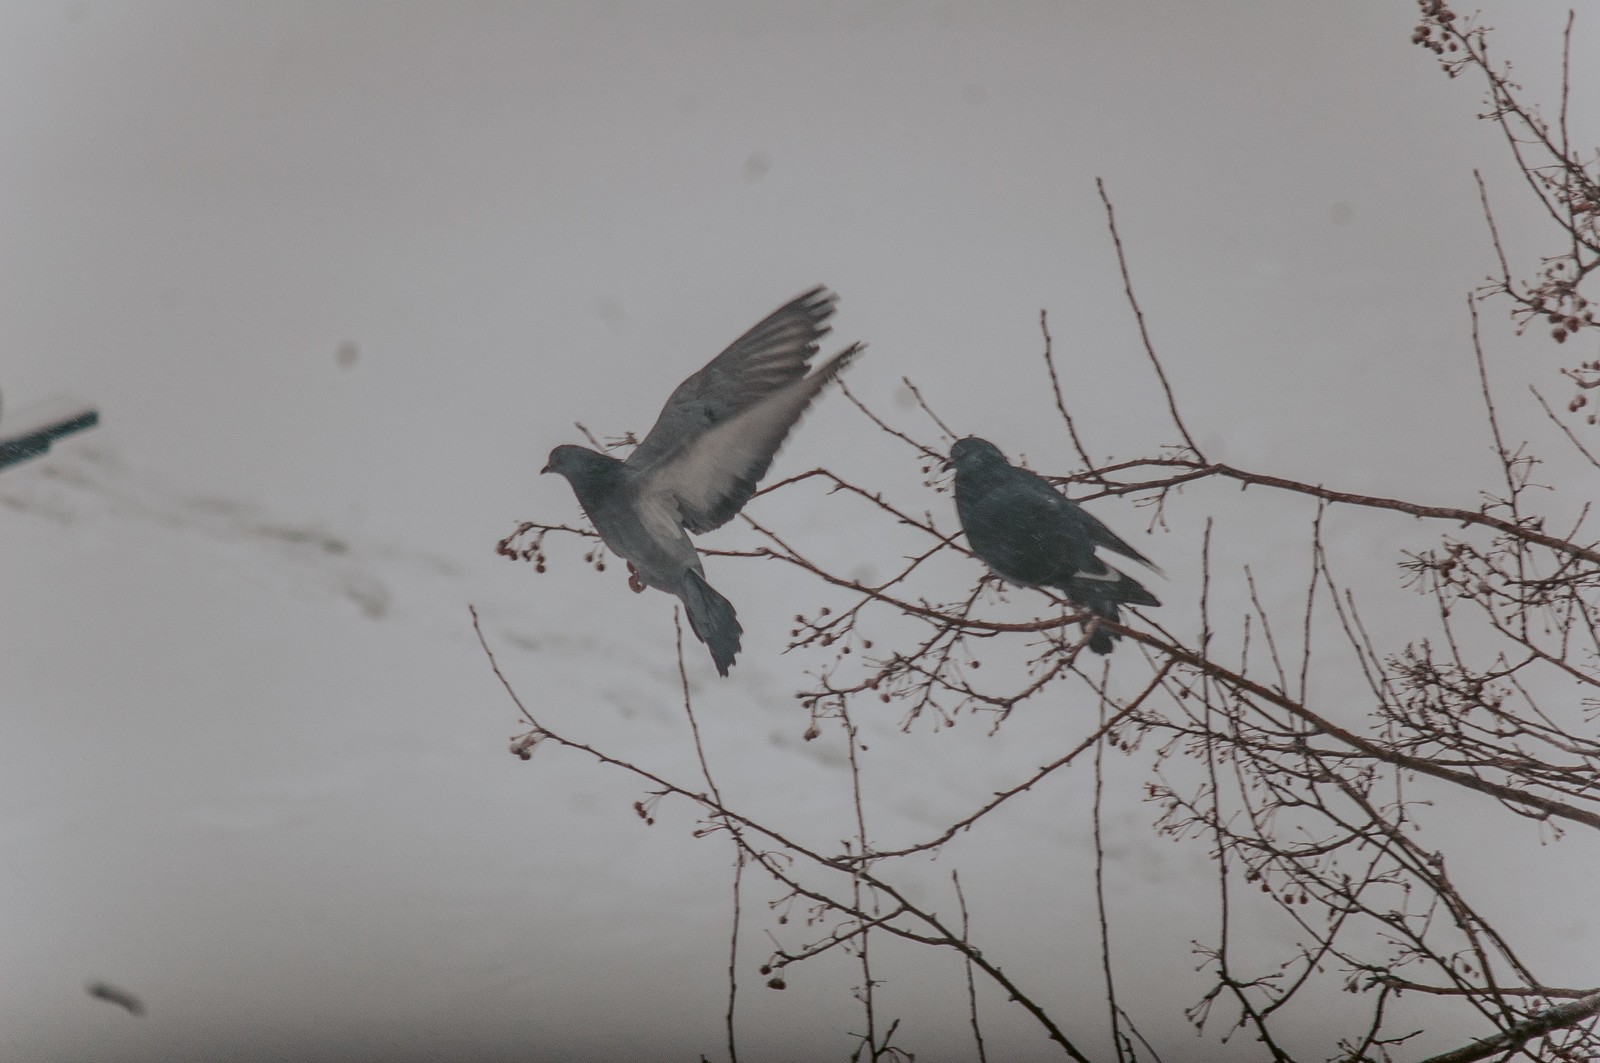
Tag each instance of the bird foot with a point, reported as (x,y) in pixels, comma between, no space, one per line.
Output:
(634,583)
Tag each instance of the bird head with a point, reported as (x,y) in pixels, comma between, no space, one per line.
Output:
(973,452)
(574,461)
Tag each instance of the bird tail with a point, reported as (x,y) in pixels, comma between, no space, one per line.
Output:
(1102,597)
(1129,591)
(712,619)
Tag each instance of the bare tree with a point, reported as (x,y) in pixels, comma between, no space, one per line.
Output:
(1564,178)
(1313,807)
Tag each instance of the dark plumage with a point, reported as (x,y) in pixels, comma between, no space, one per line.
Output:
(120,997)
(1029,533)
(711,445)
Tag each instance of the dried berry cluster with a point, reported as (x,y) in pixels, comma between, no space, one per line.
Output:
(1430,32)
(1566,181)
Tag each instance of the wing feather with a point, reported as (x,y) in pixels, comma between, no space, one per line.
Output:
(1088,526)
(772,355)
(713,476)
(1030,533)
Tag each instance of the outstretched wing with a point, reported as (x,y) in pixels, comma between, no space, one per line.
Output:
(777,352)
(711,477)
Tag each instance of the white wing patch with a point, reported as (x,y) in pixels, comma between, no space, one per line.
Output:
(715,475)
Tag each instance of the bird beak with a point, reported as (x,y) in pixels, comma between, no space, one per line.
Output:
(948,464)
(544,470)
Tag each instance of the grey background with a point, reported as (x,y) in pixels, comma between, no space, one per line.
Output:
(339,275)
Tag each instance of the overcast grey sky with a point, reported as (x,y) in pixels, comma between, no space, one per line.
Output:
(338,275)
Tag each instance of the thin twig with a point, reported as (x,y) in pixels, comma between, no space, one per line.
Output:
(921,448)
(1144,333)
(1031,781)
(1100,891)
(1548,412)
(1061,403)
(738,851)
(923,404)
(864,948)
(972,989)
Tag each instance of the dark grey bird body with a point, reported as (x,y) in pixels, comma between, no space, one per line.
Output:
(702,460)
(1029,533)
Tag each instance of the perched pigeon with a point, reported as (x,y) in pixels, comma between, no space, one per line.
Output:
(711,445)
(1030,533)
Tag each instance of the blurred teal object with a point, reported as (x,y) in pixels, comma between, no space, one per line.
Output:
(43,424)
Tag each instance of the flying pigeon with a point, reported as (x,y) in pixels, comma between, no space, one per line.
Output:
(1029,533)
(701,462)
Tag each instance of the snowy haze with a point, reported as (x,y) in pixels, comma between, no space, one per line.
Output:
(339,275)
